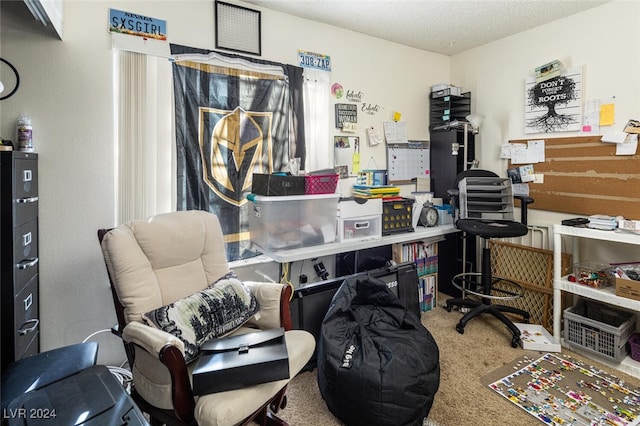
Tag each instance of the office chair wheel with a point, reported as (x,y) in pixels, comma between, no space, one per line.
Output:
(515,342)
(460,328)
(447,307)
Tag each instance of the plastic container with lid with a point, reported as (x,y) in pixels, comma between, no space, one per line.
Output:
(292,221)
(25,133)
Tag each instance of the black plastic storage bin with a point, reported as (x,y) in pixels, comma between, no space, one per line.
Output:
(277,185)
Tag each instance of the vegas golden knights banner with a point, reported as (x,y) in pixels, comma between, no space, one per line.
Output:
(230,123)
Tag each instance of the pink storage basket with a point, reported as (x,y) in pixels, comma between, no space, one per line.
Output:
(320,184)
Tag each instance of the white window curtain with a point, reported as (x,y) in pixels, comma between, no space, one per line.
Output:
(145,146)
(317,120)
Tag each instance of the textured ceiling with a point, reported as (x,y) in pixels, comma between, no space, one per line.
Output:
(440,26)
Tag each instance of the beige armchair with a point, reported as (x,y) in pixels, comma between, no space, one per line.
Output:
(156,262)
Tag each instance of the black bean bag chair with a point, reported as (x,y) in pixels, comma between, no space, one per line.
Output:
(377,364)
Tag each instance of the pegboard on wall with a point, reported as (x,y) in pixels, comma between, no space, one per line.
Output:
(582,175)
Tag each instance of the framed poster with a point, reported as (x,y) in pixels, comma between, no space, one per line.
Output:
(554,105)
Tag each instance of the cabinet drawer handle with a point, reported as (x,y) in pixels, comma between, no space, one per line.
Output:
(27,200)
(361,225)
(31,329)
(27,263)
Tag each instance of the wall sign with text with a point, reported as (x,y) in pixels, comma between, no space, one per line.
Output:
(314,60)
(553,105)
(346,113)
(137,25)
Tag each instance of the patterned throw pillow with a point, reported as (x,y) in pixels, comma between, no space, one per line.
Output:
(215,311)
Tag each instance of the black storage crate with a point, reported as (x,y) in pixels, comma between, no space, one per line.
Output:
(397,216)
(277,185)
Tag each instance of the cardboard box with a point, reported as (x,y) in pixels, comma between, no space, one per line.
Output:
(628,288)
(242,360)
(535,337)
(277,185)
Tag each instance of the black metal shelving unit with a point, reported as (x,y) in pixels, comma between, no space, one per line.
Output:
(444,112)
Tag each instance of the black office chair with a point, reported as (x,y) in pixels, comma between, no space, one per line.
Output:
(483,205)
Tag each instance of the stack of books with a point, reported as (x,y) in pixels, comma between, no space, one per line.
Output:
(376,191)
(604,222)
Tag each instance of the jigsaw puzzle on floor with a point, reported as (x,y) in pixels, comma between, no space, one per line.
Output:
(558,390)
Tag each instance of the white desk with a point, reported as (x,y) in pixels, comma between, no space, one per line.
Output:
(428,235)
(604,294)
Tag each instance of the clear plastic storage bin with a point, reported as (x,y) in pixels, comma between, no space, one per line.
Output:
(287,222)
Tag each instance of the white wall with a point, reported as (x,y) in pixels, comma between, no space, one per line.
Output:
(66,87)
(598,40)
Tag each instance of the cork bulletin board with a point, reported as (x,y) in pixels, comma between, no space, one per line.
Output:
(583,176)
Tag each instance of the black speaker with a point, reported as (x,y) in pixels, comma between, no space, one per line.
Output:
(402,279)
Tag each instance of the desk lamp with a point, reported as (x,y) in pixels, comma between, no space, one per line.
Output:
(475,120)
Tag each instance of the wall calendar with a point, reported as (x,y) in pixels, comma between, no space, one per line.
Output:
(407,161)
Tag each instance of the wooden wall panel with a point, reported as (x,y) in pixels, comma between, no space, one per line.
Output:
(584,176)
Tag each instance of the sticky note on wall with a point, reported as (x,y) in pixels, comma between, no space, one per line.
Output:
(607,114)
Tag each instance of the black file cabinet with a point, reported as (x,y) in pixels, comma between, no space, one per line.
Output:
(19,285)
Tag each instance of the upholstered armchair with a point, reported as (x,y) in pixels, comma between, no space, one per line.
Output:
(154,265)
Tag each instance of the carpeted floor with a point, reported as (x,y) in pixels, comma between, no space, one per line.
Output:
(464,360)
